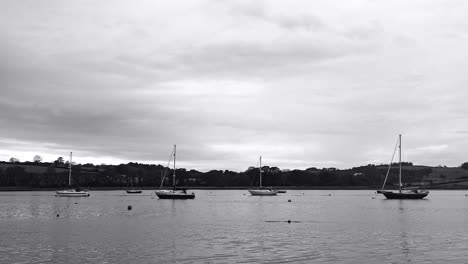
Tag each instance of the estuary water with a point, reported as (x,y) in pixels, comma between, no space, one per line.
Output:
(230,226)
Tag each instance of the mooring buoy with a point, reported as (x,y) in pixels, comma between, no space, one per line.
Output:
(129,207)
(58,215)
(289,221)
(289,201)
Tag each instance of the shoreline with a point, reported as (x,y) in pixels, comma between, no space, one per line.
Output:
(336,188)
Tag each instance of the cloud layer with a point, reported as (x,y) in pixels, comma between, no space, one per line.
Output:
(323,83)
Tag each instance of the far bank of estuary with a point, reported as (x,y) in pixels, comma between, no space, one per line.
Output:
(30,176)
(151,189)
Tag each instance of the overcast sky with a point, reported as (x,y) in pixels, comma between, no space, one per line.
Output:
(302,83)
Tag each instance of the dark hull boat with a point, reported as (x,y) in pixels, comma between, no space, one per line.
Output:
(404,195)
(401,194)
(177,197)
(265,192)
(134,191)
(174,194)
(131,190)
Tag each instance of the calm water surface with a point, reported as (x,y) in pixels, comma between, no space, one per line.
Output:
(233,227)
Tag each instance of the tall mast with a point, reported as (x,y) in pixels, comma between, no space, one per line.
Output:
(400,162)
(69,170)
(173,177)
(260,172)
(162,180)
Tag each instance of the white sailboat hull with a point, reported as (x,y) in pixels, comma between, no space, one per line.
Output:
(263,192)
(72,193)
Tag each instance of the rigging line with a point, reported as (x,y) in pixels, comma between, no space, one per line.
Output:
(167,167)
(390,165)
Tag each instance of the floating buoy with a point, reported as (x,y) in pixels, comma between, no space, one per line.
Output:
(289,221)
(129,207)
(58,215)
(289,201)
(76,203)
(373,197)
(329,194)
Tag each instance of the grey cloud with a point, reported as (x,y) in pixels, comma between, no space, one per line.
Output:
(306,22)
(305,91)
(243,59)
(257,10)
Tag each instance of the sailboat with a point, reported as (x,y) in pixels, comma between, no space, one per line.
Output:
(412,193)
(174,193)
(77,192)
(133,190)
(260,191)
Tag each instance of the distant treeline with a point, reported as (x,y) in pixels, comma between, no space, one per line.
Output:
(55,175)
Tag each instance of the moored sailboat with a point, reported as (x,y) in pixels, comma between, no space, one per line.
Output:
(176,194)
(408,193)
(260,191)
(132,190)
(71,192)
